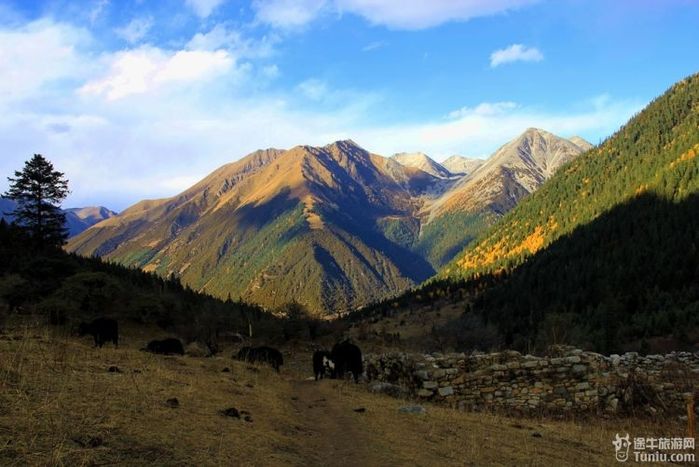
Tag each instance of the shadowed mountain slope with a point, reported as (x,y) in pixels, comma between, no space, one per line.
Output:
(628,278)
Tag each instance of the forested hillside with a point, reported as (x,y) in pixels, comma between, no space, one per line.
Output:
(66,289)
(606,252)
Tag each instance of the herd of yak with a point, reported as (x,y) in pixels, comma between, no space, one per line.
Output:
(344,357)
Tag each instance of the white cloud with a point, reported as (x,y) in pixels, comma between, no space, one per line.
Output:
(421,14)
(157,145)
(222,37)
(98,7)
(485,108)
(515,53)
(147,68)
(374,46)
(481,129)
(203,8)
(270,71)
(36,55)
(313,89)
(216,38)
(136,30)
(150,121)
(395,14)
(600,101)
(288,14)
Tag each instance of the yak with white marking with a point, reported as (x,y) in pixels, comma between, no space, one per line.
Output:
(322,364)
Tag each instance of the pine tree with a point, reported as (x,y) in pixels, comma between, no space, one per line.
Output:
(38,191)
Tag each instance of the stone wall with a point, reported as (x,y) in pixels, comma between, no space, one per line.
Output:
(567,380)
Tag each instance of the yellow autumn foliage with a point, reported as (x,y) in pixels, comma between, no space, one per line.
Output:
(487,255)
(687,156)
(641,189)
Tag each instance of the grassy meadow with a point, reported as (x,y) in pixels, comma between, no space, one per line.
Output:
(64,402)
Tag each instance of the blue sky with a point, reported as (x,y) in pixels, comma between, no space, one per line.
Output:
(139,99)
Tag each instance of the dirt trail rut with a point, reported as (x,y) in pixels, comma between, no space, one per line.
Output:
(335,431)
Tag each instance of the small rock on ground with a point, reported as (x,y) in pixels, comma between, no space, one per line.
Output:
(415,409)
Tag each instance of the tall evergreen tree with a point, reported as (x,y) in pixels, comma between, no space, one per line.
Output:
(38,191)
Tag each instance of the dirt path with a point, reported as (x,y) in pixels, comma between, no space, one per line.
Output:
(336,433)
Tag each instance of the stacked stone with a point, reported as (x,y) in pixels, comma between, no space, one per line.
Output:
(568,380)
(669,379)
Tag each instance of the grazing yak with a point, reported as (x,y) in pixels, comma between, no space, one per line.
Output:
(169,346)
(102,330)
(261,354)
(322,364)
(347,357)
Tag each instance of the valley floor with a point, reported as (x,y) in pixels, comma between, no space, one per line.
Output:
(61,405)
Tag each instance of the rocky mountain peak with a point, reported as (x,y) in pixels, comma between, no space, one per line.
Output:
(422,161)
(581,142)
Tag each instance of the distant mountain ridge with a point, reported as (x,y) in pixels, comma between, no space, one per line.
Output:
(460,165)
(423,162)
(77,219)
(81,219)
(333,227)
(6,207)
(513,171)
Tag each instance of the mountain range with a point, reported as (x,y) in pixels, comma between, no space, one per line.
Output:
(77,219)
(332,227)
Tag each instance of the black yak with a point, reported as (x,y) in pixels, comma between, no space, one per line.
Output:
(322,364)
(261,354)
(347,357)
(102,330)
(167,346)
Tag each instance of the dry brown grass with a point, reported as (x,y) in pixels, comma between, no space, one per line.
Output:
(448,437)
(413,324)
(59,405)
